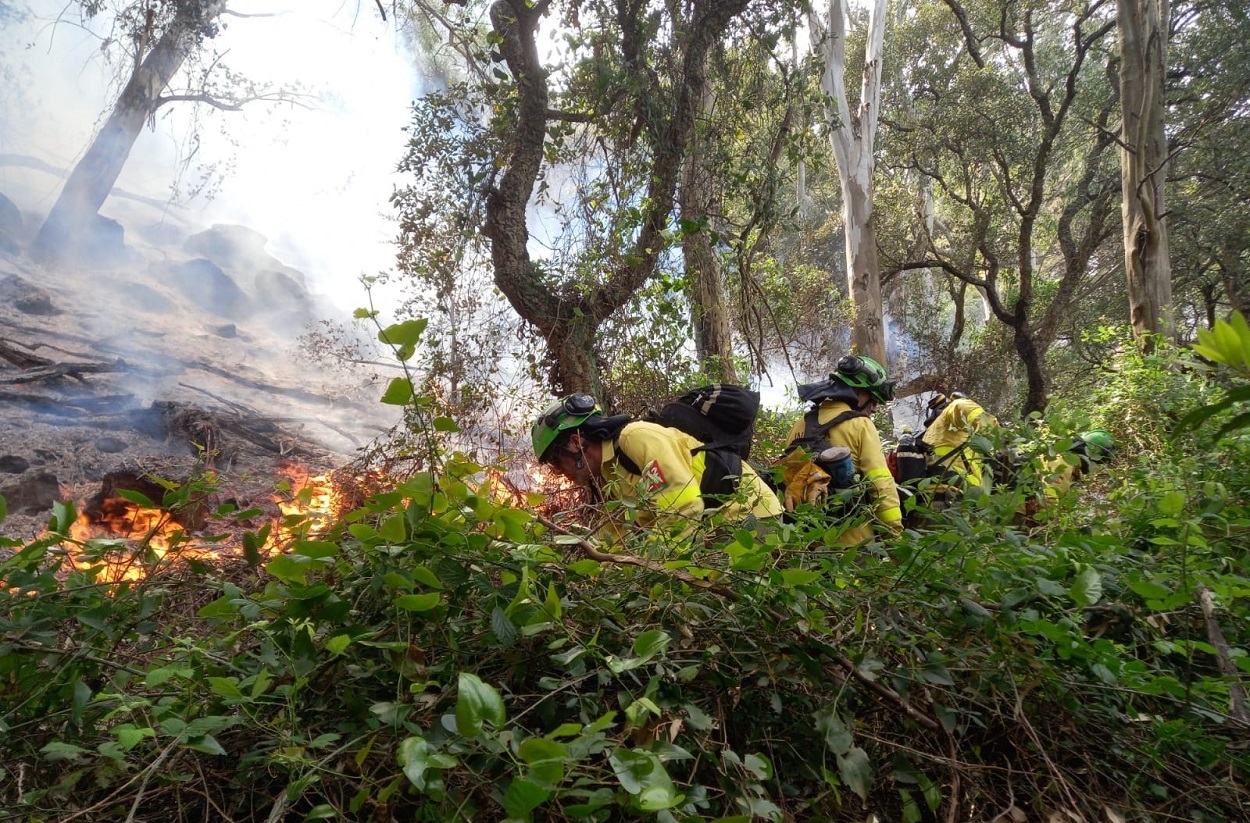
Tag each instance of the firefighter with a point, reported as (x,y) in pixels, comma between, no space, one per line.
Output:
(841,417)
(957,467)
(1090,449)
(665,473)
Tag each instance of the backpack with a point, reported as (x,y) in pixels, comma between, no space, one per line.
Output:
(721,416)
(812,468)
(910,458)
(718,415)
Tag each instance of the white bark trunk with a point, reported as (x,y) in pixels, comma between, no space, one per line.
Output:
(852,133)
(1143,29)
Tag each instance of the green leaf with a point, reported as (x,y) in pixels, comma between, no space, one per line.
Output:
(315,549)
(323,811)
(405,334)
(418,602)
(1149,589)
(545,758)
(798,577)
(4,508)
(1171,503)
(837,736)
(642,774)
(759,766)
(522,797)
(477,702)
(130,736)
(445,424)
(1087,590)
(287,569)
(56,750)
(204,743)
(227,687)
(398,393)
(505,630)
(138,498)
(650,643)
(426,577)
(856,771)
(393,528)
(414,759)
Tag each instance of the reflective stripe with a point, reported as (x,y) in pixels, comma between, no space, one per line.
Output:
(877,474)
(890,515)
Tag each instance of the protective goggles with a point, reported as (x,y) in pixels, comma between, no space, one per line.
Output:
(852,366)
(575,405)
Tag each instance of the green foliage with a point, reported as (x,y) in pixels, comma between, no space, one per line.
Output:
(438,655)
(1228,343)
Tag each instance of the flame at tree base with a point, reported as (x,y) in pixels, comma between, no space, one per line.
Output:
(124,540)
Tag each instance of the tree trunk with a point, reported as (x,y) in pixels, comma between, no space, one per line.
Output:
(92,179)
(1034,369)
(569,318)
(852,135)
(1143,28)
(709,313)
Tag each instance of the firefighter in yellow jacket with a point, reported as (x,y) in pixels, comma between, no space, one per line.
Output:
(951,422)
(665,472)
(840,417)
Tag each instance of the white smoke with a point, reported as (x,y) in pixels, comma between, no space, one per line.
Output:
(314,179)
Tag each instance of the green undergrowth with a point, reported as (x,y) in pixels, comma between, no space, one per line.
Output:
(439,656)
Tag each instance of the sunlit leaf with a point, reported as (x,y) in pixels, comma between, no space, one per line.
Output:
(1087,590)
(477,702)
(398,392)
(418,602)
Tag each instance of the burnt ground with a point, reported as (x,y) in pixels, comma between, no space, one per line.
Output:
(166,361)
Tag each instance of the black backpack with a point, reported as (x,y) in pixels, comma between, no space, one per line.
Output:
(721,416)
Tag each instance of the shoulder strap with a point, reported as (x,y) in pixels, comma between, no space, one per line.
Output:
(814,429)
(628,463)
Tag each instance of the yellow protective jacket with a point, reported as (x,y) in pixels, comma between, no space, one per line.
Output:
(950,431)
(860,436)
(667,492)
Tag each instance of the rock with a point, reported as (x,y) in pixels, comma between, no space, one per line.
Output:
(279,287)
(32,495)
(26,297)
(228,245)
(111,445)
(145,298)
(103,243)
(209,287)
(13,464)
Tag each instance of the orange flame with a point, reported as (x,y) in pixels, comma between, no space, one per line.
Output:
(127,541)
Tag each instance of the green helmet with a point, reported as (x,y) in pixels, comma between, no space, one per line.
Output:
(1099,444)
(867,374)
(562,415)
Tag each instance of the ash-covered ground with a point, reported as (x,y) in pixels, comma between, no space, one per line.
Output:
(166,351)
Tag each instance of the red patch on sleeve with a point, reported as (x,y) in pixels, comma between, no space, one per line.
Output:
(653,477)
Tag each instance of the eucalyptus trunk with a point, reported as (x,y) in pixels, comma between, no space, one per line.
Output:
(1143,29)
(852,134)
(709,313)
